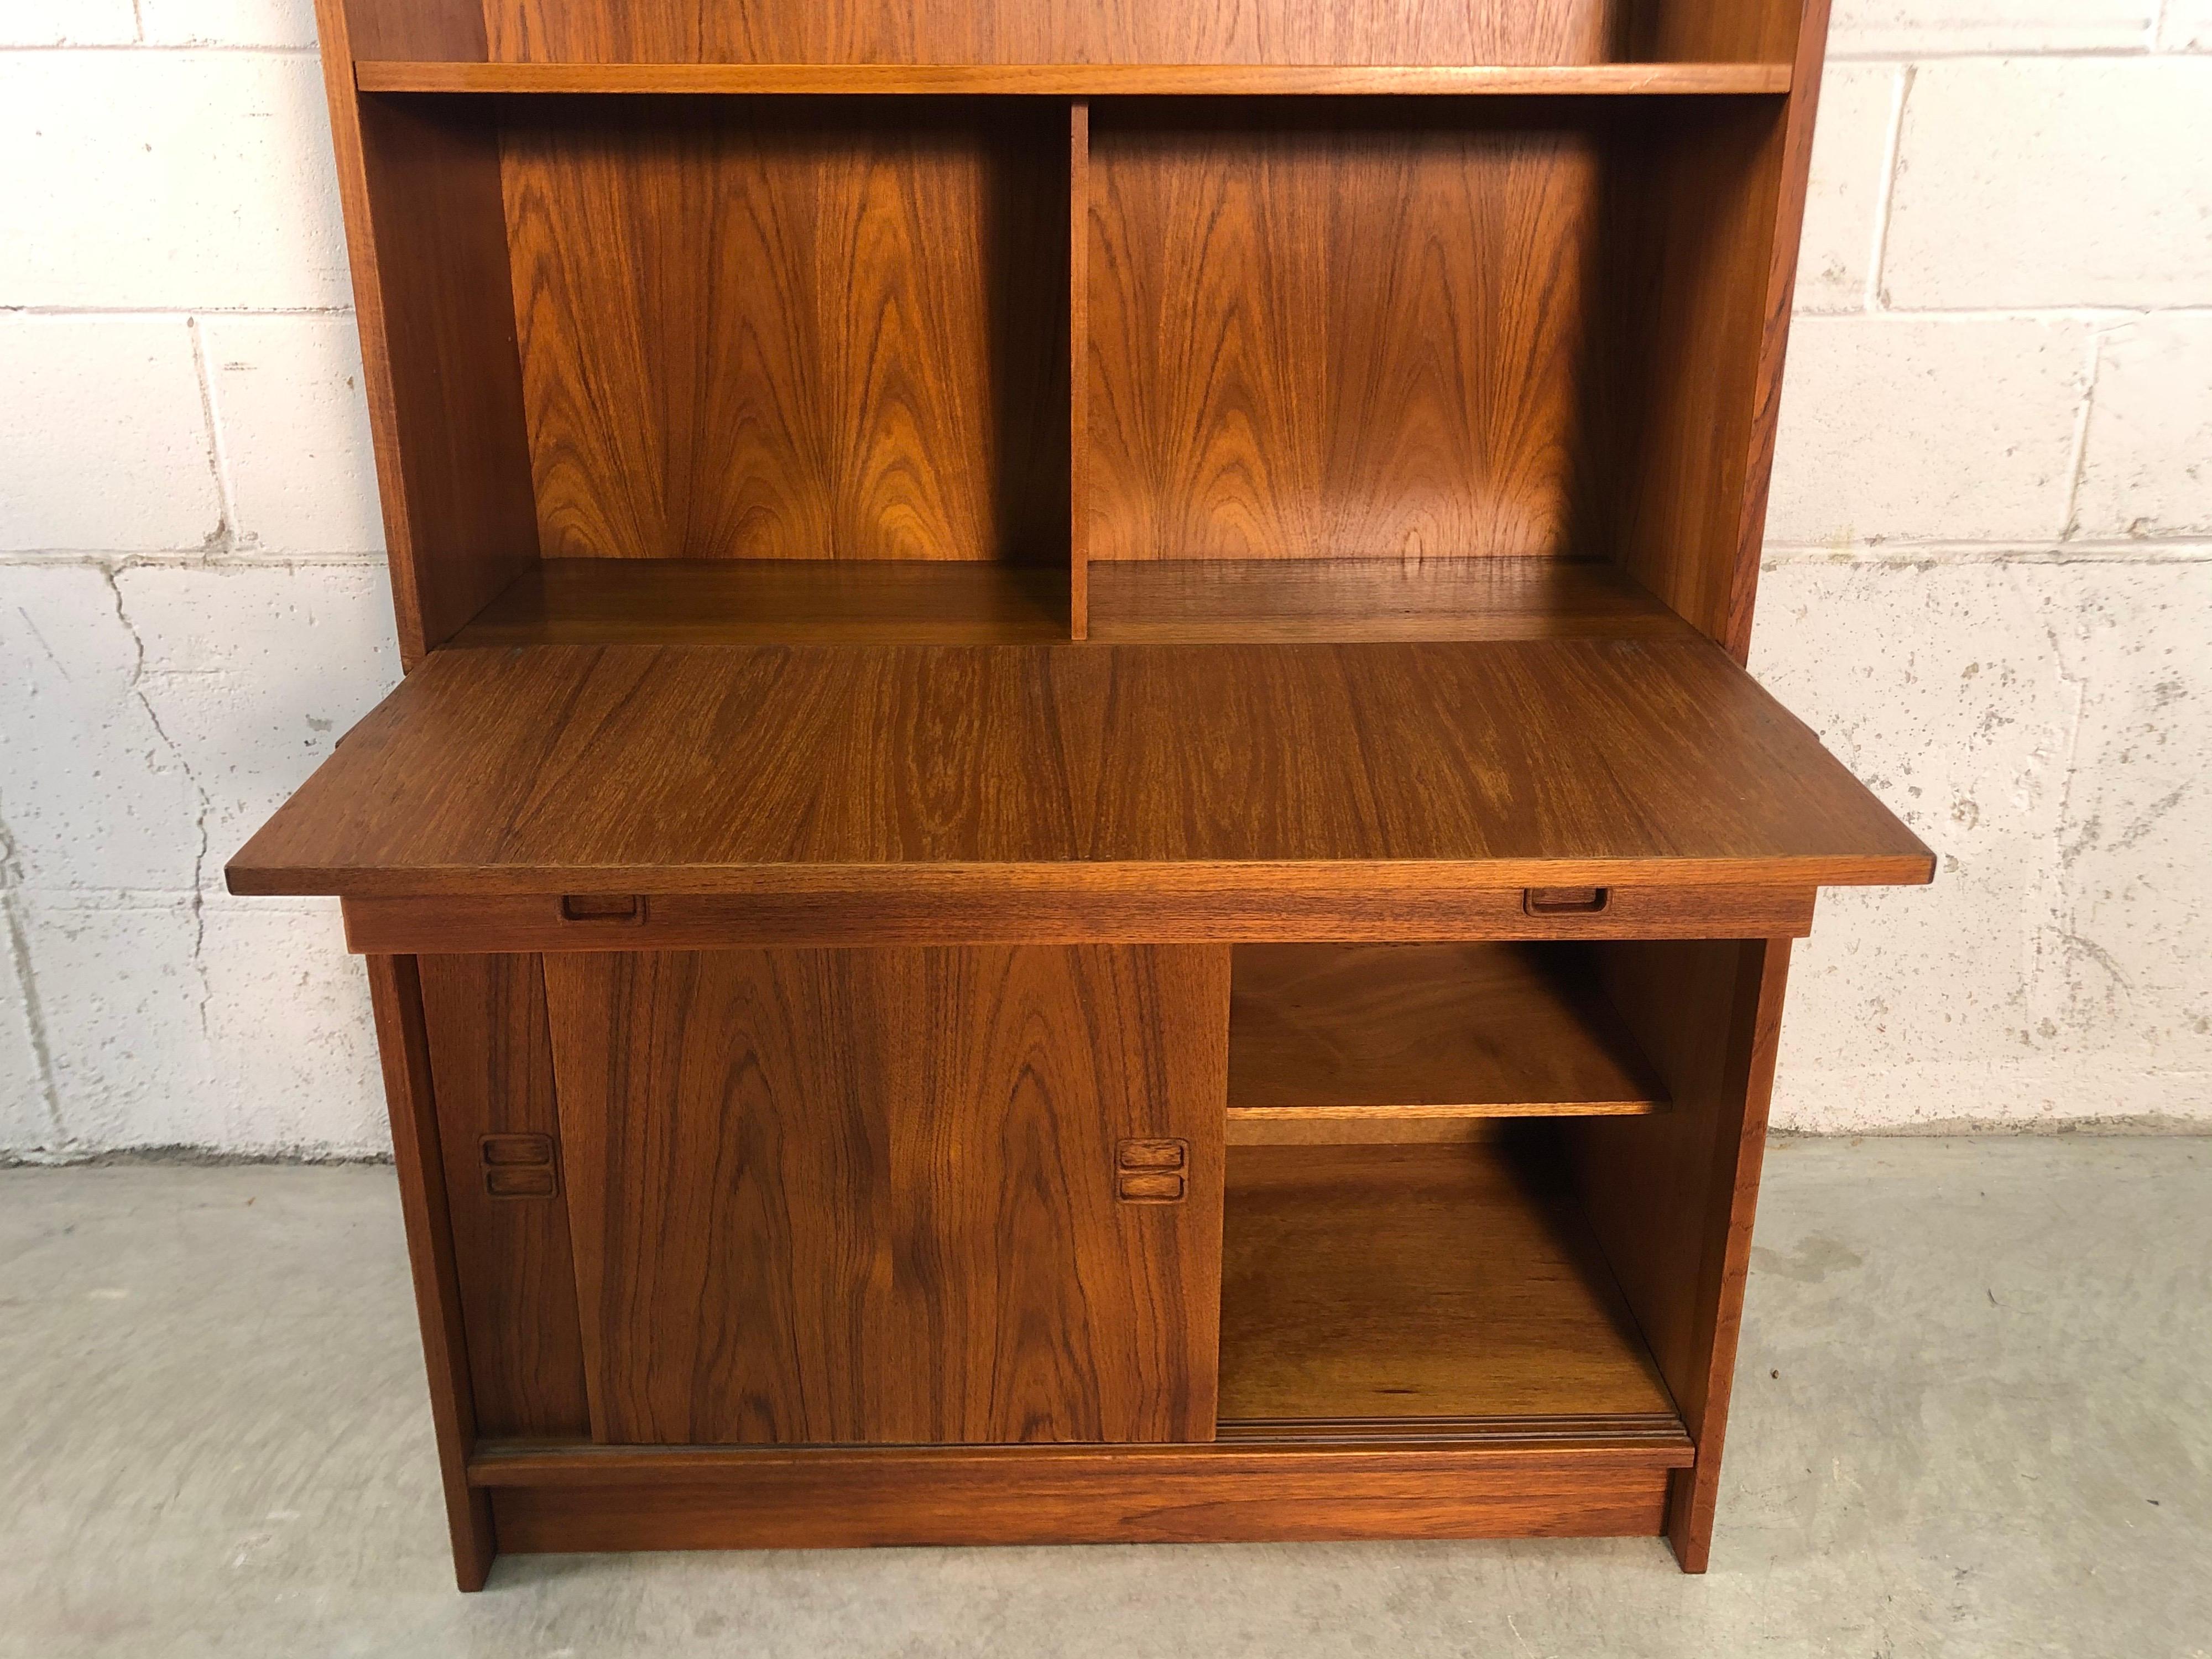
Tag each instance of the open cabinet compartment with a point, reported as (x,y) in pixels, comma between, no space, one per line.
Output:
(1342,353)
(1403,1254)
(823,338)
(1391,1041)
(1424,369)
(1423,1290)
(1388,1276)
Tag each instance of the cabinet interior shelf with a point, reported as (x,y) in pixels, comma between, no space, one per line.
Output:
(1371,1291)
(1080,80)
(1382,1038)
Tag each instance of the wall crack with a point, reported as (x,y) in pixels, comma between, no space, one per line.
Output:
(205,803)
(34,1013)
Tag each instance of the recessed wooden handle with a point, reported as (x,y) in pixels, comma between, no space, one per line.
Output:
(1149,1186)
(519,1165)
(619,907)
(1151,1154)
(1150,1171)
(1565,901)
(517,1149)
(520,1183)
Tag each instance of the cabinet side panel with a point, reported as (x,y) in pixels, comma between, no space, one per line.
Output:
(755,331)
(1689,229)
(1794,162)
(492,1060)
(438,350)
(1331,330)
(396,995)
(1671,1198)
(826,1196)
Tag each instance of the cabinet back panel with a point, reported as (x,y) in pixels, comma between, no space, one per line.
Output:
(1351,32)
(753,329)
(1054,32)
(1349,329)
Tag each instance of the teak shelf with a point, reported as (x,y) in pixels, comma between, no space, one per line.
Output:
(1075,847)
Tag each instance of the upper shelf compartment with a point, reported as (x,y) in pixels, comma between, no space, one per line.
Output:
(1080,80)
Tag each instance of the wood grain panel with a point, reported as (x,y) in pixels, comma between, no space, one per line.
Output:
(395,994)
(1672,31)
(1690,224)
(1138,601)
(1793,163)
(752,329)
(830,1498)
(431,29)
(420,188)
(775,602)
(979,905)
(1432,1281)
(1671,1199)
(491,1060)
(1555,762)
(1043,32)
(1337,330)
(1428,1030)
(870,1196)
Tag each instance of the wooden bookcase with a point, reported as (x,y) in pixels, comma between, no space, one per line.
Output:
(1075,847)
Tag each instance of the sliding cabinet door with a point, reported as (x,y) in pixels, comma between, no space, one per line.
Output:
(940,1195)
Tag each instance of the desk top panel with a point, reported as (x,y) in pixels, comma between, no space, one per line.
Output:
(556,769)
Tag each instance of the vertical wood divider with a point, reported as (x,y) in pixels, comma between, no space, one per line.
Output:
(1078,369)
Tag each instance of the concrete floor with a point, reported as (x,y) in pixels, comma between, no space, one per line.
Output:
(1974,1416)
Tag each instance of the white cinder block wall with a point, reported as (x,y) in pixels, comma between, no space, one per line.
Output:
(1989,581)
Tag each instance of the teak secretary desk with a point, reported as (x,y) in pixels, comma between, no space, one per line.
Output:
(1075,847)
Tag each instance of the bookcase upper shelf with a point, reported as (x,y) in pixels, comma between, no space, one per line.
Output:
(1080,80)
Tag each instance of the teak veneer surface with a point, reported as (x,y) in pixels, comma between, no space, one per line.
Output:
(558,768)
(871,1195)
(1132,602)
(1080,80)
(491,1060)
(762,328)
(1349,329)
(1139,601)
(1289,32)
(973,903)
(1428,1030)
(1429,1281)
(564,1499)
(776,602)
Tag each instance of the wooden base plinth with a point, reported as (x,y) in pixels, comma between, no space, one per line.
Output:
(590,1499)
